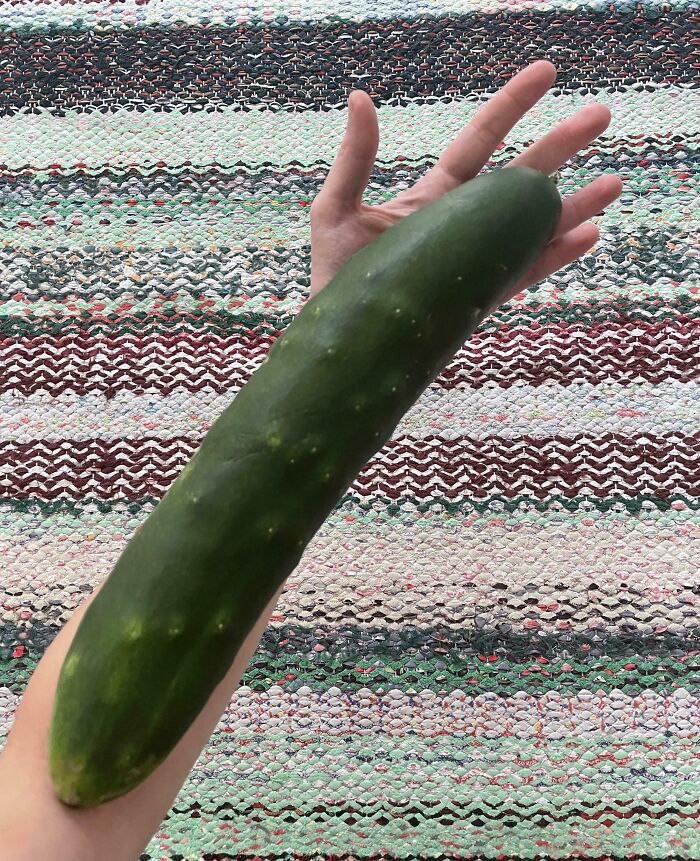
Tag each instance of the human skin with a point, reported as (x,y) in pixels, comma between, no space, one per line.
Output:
(34,825)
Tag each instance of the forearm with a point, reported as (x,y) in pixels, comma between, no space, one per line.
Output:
(35,825)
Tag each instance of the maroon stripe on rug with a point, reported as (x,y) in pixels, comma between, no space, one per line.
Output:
(533,355)
(608,465)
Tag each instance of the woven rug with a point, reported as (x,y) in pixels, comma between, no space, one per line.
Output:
(492,647)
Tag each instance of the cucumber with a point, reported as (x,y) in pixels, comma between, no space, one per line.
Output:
(194,579)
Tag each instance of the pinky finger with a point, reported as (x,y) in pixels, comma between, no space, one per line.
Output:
(559,253)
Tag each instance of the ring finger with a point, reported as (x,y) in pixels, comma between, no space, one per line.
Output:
(571,135)
(587,202)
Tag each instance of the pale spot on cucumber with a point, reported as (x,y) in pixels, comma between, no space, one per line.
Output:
(273,440)
(330,351)
(359,403)
(311,444)
(69,780)
(221,622)
(176,628)
(135,629)
(269,527)
(126,757)
(70,665)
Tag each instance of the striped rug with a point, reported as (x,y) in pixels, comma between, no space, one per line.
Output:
(492,647)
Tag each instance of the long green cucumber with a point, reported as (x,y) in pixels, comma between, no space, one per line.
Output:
(192,582)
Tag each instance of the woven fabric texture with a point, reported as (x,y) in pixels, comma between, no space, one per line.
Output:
(492,647)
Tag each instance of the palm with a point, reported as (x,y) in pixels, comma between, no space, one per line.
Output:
(341,224)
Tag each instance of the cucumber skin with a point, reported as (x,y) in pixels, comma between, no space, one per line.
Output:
(196,576)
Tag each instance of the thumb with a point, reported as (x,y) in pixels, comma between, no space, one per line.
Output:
(352,167)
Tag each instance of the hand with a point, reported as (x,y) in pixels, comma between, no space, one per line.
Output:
(341,223)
